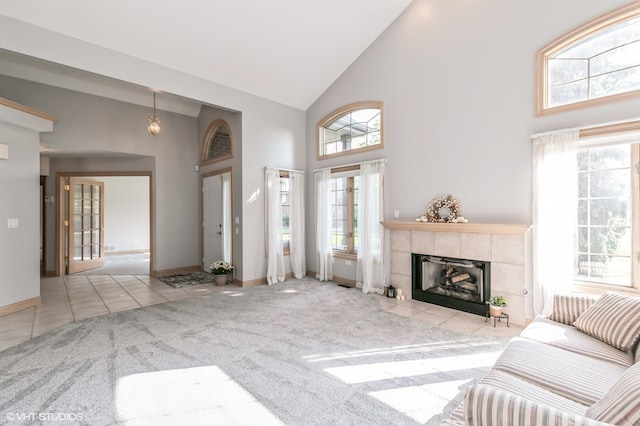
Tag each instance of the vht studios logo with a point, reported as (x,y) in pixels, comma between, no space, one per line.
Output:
(52,417)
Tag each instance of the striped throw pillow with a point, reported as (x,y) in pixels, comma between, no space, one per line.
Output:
(614,319)
(621,405)
(568,307)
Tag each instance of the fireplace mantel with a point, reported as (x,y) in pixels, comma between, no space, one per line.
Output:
(474,228)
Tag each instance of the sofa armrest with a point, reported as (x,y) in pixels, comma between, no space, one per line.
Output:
(568,307)
(485,405)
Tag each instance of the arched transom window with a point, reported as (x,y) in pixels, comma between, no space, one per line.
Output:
(217,144)
(354,127)
(592,64)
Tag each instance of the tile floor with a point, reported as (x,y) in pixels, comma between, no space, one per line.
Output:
(75,297)
(448,318)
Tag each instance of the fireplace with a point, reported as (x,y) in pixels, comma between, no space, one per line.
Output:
(461,284)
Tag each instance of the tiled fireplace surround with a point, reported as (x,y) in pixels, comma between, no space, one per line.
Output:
(507,247)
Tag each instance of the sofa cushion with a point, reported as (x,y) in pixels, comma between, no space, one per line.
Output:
(513,384)
(486,405)
(621,405)
(575,376)
(570,338)
(568,307)
(614,319)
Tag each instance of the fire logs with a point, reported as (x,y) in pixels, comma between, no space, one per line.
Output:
(450,278)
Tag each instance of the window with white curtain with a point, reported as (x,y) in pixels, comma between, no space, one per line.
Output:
(284,223)
(586,211)
(349,209)
(607,202)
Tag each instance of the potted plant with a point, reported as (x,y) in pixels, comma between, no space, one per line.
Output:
(495,305)
(220,269)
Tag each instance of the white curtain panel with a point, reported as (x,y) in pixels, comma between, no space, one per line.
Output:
(273,213)
(296,224)
(554,215)
(227,222)
(370,266)
(324,247)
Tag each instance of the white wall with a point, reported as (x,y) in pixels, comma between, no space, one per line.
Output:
(457,81)
(19,191)
(126,212)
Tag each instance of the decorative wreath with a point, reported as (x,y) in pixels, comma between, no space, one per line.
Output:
(443,201)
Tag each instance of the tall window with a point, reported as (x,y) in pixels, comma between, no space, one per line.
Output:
(605,214)
(285,204)
(355,127)
(597,61)
(344,207)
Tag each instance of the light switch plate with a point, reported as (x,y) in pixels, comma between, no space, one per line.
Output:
(12,223)
(4,151)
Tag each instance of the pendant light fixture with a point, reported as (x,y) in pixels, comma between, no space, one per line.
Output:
(154,122)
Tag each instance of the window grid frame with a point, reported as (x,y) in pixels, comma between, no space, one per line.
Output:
(286,243)
(634,196)
(347,109)
(351,189)
(590,28)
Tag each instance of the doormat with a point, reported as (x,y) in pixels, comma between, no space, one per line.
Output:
(183,279)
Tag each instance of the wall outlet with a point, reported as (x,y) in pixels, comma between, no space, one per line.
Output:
(396,214)
(347,262)
(12,223)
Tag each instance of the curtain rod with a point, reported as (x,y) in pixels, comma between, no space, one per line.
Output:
(350,165)
(286,170)
(594,126)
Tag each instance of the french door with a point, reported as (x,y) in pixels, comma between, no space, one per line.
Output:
(85,230)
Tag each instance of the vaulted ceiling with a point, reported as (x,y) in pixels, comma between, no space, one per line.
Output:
(288,51)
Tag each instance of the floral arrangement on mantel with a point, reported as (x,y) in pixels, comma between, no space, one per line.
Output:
(443,202)
(220,267)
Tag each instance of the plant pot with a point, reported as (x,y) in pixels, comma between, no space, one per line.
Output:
(495,311)
(220,279)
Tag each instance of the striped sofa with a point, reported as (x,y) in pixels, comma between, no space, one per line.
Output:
(578,366)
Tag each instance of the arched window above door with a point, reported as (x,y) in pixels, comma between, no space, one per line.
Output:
(217,144)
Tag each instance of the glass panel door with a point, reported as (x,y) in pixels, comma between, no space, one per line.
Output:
(86,225)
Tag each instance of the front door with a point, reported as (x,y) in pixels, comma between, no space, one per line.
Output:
(85,231)
(212,220)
